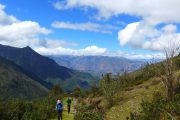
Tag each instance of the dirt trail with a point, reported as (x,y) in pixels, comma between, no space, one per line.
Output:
(67,116)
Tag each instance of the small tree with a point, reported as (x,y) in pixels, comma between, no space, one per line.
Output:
(56,91)
(109,88)
(77,92)
(170,79)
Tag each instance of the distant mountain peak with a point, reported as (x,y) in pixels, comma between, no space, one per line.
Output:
(98,64)
(28,48)
(44,67)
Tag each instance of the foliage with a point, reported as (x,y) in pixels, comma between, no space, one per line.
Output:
(157,109)
(87,112)
(109,86)
(148,71)
(95,91)
(87,116)
(77,92)
(170,79)
(56,90)
(23,110)
(40,109)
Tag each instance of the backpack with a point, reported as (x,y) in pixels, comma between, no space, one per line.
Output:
(69,101)
(59,106)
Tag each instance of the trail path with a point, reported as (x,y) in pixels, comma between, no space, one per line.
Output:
(67,116)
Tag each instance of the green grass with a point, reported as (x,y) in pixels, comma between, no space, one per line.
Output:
(67,116)
(132,100)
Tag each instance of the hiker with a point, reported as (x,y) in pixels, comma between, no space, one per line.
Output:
(68,105)
(59,108)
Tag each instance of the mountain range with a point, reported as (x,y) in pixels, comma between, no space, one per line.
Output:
(98,64)
(26,74)
(16,83)
(45,69)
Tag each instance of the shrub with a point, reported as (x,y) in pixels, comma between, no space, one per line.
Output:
(87,116)
(157,109)
(86,111)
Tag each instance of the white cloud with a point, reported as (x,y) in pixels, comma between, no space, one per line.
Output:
(140,56)
(164,41)
(169,28)
(21,30)
(4,18)
(85,26)
(60,5)
(126,34)
(154,11)
(96,51)
(146,36)
(90,50)
(144,33)
(19,33)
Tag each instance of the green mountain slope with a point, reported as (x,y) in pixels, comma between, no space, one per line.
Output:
(46,68)
(14,83)
(133,98)
(142,86)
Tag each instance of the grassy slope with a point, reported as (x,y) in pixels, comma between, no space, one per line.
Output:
(132,99)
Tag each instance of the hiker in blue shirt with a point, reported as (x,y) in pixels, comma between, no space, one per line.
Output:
(59,108)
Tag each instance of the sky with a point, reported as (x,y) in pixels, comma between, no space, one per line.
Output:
(135,29)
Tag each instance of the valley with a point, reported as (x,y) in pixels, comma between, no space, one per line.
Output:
(89,60)
(99,64)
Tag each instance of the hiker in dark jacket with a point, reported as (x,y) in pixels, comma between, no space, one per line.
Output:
(59,108)
(69,104)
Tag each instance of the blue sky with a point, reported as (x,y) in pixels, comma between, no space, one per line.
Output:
(76,27)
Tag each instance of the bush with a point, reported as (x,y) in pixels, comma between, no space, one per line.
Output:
(77,92)
(40,109)
(87,112)
(157,109)
(87,116)
(109,86)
